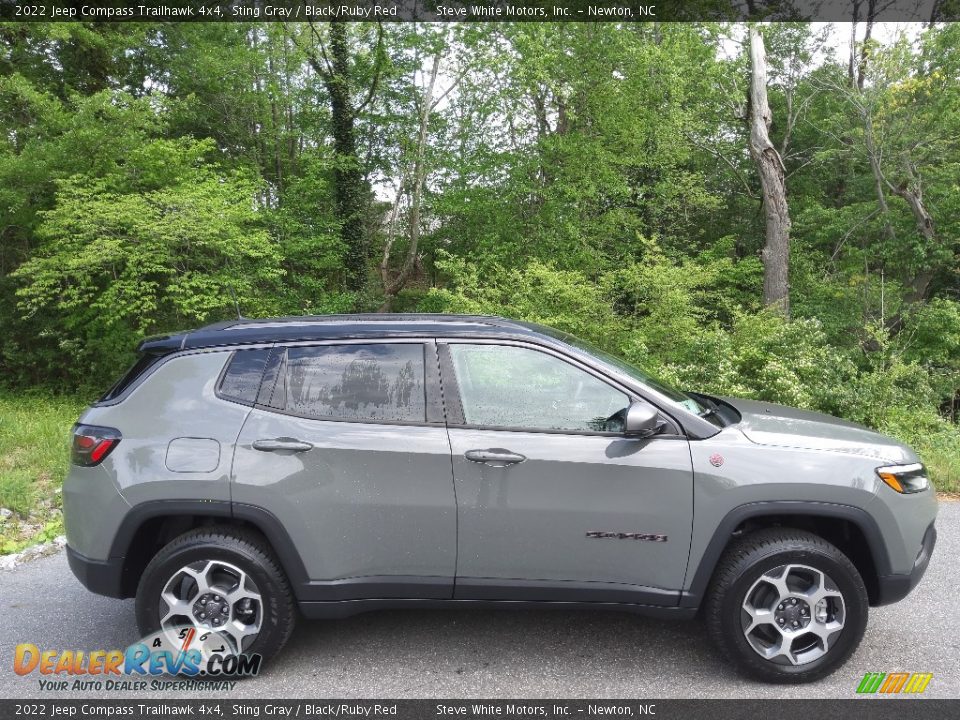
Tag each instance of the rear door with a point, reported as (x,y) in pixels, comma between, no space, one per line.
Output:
(347,447)
(554,503)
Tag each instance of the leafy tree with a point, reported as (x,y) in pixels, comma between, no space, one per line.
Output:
(592,176)
(340,79)
(162,243)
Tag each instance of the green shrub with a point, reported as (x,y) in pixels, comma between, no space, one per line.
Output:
(655,314)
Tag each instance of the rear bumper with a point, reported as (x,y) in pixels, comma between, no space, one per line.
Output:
(893,588)
(104,577)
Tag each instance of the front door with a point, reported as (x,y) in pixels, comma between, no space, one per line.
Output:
(347,449)
(553,502)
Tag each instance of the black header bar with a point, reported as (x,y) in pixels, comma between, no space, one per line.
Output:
(537,709)
(622,11)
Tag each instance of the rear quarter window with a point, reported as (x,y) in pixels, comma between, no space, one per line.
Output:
(241,378)
(143,364)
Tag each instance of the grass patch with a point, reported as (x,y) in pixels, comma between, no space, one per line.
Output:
(34,432)
(944,467)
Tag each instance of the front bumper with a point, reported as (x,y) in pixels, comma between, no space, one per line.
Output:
(104,577)
(893,588)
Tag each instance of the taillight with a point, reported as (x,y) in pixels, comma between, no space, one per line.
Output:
(92,443)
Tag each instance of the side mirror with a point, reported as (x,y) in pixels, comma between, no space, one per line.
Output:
(642,420)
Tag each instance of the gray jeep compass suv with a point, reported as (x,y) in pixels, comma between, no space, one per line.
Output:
(333,465)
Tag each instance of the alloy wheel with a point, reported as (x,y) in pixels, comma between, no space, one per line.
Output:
(212,595)
(793,614)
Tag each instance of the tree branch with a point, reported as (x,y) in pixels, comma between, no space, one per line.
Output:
(720,156)
(377,69)
(326,70)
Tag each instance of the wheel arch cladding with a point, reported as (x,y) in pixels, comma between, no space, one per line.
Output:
(149,526)
(871,565)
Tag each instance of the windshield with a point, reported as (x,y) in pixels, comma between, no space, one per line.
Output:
(678,398)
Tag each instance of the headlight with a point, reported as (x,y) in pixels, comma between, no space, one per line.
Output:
(905,479)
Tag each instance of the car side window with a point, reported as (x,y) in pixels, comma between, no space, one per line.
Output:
(241,379)
(514,387)
(372,383)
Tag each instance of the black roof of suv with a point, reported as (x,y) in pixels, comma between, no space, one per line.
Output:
(248,331)
(332,327)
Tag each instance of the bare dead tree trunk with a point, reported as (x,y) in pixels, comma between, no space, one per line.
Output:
(770,168)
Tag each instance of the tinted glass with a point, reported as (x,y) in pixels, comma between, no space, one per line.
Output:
(357,382)
(641,376)
(514,387)
(241,381)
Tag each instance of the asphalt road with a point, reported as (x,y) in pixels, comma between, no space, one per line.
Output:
(512,654)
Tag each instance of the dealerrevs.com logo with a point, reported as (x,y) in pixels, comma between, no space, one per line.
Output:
(894,683)
(187,653)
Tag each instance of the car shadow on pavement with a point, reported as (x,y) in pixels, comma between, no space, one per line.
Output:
(520,653)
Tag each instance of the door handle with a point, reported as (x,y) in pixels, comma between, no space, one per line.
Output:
(283,443)
(494,457)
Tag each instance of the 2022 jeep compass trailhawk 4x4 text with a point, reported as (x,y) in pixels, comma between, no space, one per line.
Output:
(333,465)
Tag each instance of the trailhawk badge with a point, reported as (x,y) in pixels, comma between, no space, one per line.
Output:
(603,535)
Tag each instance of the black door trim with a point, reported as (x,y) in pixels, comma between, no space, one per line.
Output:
(562,591)
(348,608)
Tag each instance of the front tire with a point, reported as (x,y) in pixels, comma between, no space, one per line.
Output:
(786,606)
(220,579)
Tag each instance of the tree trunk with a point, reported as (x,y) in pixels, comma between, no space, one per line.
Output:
(878,179)
(917,286)
(864,49)
(418,177)
(776,250)
(348,179)
(935,12)
(852,57)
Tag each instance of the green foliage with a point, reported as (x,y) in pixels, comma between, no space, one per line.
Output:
(655,313)
(158,244)
(566,300)
(590,176)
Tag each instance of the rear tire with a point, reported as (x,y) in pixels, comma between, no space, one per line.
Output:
(246,583)
(786,606)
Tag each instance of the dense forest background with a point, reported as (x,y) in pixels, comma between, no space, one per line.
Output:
(603,179)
